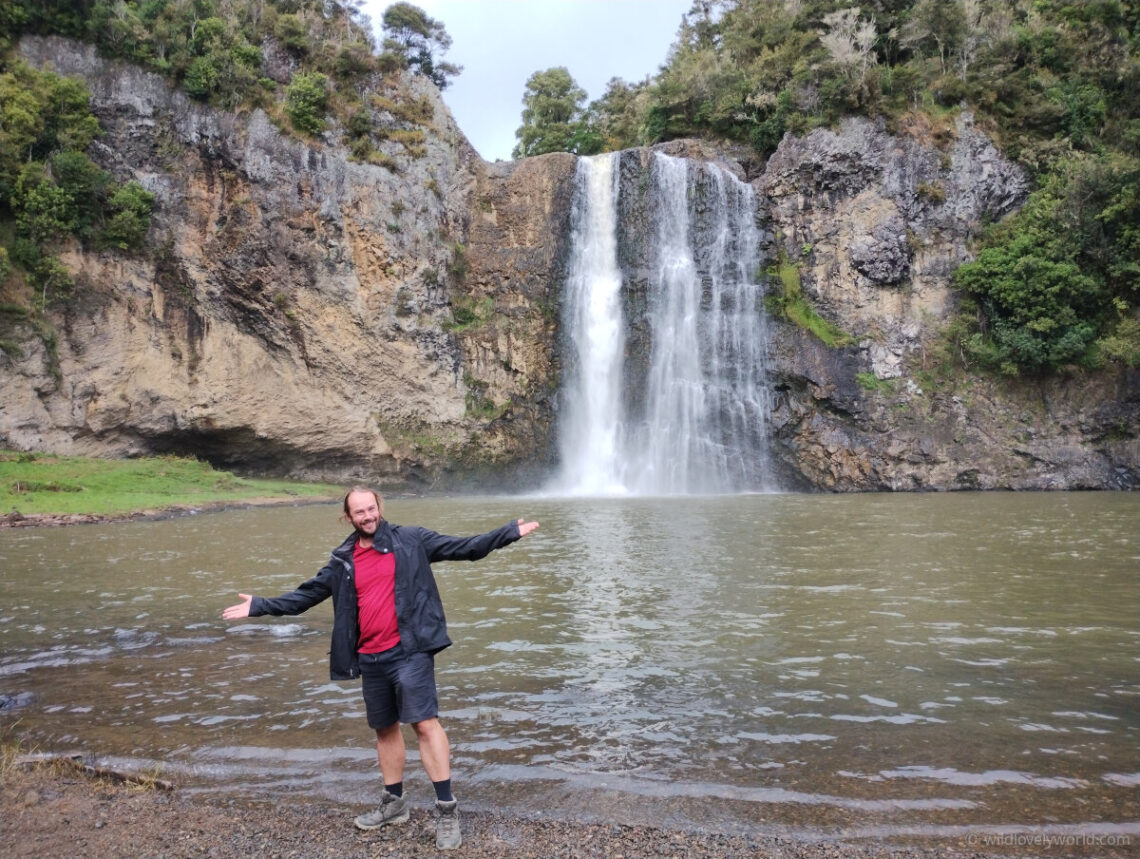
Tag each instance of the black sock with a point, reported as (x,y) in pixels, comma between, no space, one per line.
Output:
(396,789)
(443,790)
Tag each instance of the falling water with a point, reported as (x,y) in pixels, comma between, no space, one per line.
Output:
(682,407)
(590,429)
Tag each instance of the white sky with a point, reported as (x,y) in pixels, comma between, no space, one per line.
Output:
(501,43)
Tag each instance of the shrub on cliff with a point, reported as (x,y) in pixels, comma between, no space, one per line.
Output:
(217,51)
(130,207)
(1059,282)
(306,101)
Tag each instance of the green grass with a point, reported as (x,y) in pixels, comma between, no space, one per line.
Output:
(33,483)
(872,383)
(791,304)
(470,312)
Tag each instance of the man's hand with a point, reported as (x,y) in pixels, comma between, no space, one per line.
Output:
(240,610)
(526,527)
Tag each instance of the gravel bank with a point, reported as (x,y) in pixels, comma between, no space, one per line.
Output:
(57,810)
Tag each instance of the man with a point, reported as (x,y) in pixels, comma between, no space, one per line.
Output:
(388,624)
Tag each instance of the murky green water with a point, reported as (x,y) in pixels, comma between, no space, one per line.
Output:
(872,665)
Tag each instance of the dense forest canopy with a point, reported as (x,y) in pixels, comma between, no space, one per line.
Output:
(1054,82)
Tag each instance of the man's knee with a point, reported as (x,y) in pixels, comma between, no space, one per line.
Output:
(427,727)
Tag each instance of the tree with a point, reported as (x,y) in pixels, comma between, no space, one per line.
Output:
(943,22)
(44,211)
(50,189)
(850,42)
(553,117)
(86,184)
(202,78)
(614,117)
(1057,280)
(1036,306)
(41,114)
(703,86)
(419,41)
(291,32)
(131,206)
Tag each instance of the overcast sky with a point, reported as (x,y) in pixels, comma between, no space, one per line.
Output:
(501,43)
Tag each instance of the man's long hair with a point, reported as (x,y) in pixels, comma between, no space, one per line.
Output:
(379,500)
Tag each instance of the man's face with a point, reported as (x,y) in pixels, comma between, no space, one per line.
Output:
(363,512)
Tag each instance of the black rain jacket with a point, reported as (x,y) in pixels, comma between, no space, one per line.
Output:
(419,609)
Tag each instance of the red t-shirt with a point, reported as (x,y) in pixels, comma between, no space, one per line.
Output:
(376,599)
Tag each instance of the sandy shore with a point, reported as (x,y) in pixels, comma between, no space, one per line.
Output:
(58,809)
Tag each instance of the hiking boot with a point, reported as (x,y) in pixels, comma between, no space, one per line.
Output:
(392,809)
(447,835)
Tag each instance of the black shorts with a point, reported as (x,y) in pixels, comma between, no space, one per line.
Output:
(398,687)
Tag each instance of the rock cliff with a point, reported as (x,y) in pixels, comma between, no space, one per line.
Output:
(876,225)
(304,314)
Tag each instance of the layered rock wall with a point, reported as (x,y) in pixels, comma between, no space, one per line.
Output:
(301,313)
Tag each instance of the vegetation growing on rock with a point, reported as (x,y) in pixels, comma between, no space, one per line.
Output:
(51,191)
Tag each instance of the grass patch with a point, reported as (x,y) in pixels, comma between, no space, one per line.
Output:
(873,384)
(417,111)
(468,312)
(479,405)
(14,759)
(380,159)
(42,483)
(10,752)
(791,304)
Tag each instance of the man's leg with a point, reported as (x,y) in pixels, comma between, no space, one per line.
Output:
(391,753)
(420,708)
(380,702)
(435,751)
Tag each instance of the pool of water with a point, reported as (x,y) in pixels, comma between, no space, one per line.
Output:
(915,666)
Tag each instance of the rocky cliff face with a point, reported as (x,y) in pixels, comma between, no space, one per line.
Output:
(302,314)
(876,224)
(308,315)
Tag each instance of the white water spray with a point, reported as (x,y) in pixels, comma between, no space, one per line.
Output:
(691,417)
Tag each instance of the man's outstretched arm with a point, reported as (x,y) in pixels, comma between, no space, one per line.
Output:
(441,547)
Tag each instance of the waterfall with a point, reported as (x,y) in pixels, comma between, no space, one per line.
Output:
(664,388)
(590,430)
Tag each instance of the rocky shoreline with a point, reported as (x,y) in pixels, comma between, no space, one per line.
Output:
(62,809)
(50,520)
